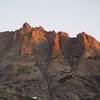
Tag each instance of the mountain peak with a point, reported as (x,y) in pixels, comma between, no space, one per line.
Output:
(33,60)
(63,34)
(26,25)
(88,40)
(25,28)
(74,46)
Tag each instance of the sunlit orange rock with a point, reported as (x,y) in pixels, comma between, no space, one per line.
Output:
(88,40)
(53,40)
(63,34)
(63,38)
(25,28)
(28,35)
(29,50)
(56,43)
(37,35)
(34,36)
(23,49)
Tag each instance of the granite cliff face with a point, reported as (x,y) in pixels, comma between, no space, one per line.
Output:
(48,65)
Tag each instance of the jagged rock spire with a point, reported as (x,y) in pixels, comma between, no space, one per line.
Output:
(25,28)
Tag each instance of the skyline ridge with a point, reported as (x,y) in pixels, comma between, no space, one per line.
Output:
(27,25)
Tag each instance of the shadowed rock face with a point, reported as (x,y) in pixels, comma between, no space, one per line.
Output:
(48,65)
(5,40)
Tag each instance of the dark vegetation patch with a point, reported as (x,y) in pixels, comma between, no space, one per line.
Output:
(25,69)
(3,98)
(63,79)
(94,57)
(25,98)
(97,78)
(97,97)
(90,79)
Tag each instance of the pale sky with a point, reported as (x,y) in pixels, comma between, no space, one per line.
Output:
(71,16)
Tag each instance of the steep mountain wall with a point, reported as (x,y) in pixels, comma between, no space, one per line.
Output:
(48,65)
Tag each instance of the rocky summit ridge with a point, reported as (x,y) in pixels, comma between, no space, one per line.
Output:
(48,65)
(30,35)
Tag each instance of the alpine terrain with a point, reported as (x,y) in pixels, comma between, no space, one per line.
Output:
(36,64)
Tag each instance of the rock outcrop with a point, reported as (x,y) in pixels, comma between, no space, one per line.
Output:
(88,40)
(48,65)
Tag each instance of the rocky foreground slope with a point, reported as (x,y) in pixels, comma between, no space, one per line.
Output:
(48,65)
